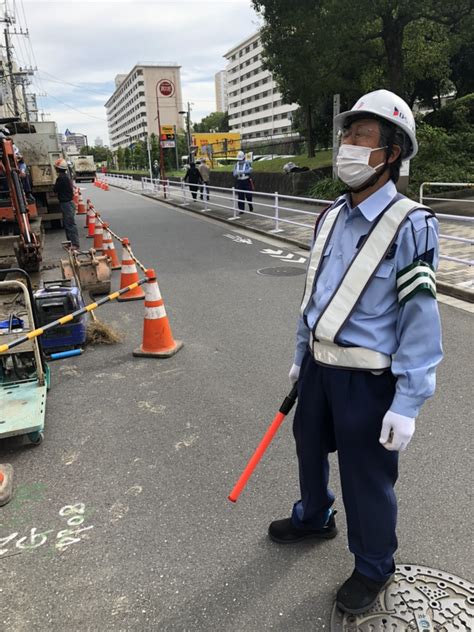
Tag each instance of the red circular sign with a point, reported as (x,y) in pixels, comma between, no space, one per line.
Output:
(166,88)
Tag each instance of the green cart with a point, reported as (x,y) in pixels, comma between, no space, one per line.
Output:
(24,375)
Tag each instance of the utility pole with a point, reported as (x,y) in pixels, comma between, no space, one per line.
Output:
(8,48)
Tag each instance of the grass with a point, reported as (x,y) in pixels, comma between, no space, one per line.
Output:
(322,159)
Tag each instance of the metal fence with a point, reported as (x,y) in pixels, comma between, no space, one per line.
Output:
(283,210)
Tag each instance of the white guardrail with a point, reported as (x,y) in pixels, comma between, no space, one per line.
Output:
(270,205)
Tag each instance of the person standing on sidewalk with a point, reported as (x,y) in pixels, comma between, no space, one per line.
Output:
(206,178)
(368,343)
(65,191)
(193,178)
(242,172)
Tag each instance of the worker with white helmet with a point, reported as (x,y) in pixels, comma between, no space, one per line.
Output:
(243,182)
(64,189)
(368,343)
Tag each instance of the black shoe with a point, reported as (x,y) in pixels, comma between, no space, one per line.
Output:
(358,593)
(285,532)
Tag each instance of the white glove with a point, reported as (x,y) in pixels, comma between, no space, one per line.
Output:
(397,430)
(294,374)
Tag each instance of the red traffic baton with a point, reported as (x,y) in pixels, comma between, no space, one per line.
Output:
(285,408)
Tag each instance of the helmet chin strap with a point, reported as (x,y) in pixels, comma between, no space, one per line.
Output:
(373,180)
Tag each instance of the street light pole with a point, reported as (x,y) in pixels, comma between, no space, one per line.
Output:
(188,130)
(148,146)
(162,165)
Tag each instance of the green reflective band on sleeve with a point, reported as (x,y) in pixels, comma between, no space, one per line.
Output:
(417,277)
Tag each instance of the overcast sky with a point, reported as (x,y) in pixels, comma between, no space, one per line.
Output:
(87,42)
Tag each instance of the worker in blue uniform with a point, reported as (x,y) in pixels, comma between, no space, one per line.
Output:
(243,182)
(368,343)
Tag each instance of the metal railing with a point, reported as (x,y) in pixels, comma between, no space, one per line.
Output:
(457,185)
(270,205)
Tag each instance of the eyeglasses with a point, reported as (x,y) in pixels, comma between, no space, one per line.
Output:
(358,133)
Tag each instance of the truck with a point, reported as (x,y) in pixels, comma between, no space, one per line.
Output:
(83,168)
(39,145)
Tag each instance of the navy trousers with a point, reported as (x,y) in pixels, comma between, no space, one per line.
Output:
(341,409)
(69,219)
(244,192)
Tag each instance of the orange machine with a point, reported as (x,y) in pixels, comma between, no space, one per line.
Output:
(20,226)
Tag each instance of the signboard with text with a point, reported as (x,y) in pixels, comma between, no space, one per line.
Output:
(166,88)
(167,136)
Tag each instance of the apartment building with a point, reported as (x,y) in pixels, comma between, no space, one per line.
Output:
(132,108)
(220,80)
(256,108)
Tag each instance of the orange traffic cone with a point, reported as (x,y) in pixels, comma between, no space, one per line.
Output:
(158,341)
(98,233)
(129,275)
(75,197)
(81,207)
(109,249)
(106,186)
(91,222)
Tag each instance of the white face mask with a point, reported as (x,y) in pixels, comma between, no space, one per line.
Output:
(353,165)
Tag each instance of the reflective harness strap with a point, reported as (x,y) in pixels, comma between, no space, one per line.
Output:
(362,269)
(316,254)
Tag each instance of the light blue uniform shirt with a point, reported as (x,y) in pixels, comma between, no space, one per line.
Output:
(242,170)
(411,333)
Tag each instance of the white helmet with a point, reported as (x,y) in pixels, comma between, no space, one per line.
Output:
(61,164)
(392,108)
(241,155)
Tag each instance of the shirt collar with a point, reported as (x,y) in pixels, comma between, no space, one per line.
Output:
(376,203)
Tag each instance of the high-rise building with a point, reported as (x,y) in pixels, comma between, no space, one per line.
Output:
(220,79)
(99,142)
(256,108)
(132,108)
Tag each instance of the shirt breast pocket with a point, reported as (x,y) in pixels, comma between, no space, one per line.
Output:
(384,270)
(380,295)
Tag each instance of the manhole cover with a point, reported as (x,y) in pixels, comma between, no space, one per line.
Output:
(282,271)
(419,599)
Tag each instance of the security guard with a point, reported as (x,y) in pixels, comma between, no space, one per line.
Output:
(243,182)
(368,343)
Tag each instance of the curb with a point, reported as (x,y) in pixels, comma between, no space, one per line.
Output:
(443,288)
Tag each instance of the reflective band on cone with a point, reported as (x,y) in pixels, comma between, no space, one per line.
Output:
(158,341)
(109,249)
(98,234)
(128,276)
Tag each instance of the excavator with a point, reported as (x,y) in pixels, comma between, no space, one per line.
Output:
(21,236)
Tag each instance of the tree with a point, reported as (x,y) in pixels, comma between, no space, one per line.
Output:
(216,121)
(316,48)
(121,158)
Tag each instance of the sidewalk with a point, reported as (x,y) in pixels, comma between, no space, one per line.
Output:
(453,279)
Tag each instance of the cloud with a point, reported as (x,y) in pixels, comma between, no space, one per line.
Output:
(87,43)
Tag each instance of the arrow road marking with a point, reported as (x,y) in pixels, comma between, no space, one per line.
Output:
(272,253)
(238,239)
(290,257)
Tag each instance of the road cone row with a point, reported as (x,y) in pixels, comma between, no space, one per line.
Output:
(158,341)
(98,233)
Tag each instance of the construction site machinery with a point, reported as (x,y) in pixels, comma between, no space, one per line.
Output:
(39,146)
(92,272)
(24,375)
(84,169)
(21,237)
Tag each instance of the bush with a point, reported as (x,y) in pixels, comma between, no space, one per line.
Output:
(442,157)
(457,116)
(327,189)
